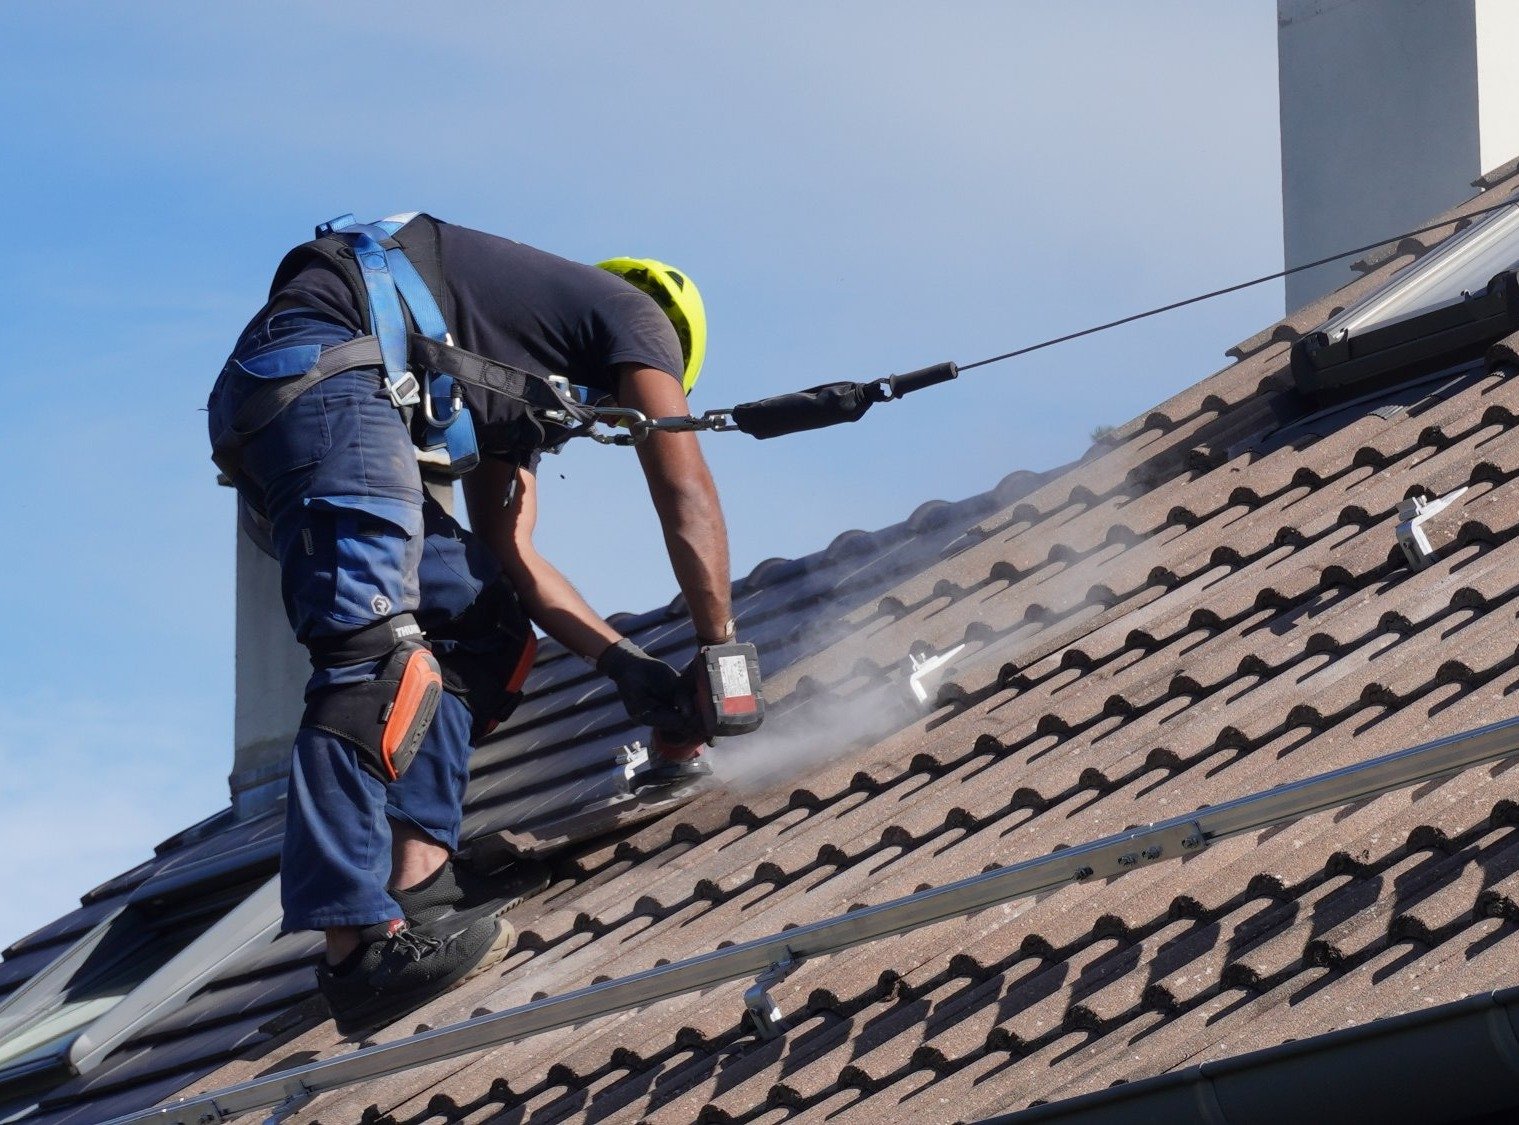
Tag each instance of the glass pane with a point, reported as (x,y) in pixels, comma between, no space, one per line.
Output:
(52,1032)
(131,952)
(1459,266)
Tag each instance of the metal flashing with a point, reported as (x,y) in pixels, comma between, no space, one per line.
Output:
(1387,403)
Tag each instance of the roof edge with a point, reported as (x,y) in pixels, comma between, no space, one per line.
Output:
(1444,1063)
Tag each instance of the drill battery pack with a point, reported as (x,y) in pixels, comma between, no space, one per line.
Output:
(728,691)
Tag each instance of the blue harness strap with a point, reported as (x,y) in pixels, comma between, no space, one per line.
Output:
(386,319)
(390,279)
(454,430)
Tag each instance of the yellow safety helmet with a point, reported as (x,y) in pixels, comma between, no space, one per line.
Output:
(677,295)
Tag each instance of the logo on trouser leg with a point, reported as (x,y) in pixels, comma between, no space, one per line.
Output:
(380,604)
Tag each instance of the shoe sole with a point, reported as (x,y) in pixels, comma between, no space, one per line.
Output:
(493,956)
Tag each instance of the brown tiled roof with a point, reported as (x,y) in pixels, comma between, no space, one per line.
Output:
(1206,607)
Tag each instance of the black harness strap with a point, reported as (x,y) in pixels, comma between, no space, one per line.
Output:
(266,404)
(476,370)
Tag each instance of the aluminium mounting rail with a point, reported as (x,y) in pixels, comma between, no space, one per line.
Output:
(772,958)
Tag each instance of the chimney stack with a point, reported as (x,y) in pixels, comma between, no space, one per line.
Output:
(1389,110)
(271,670)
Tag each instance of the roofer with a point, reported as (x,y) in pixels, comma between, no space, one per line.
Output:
(419,630)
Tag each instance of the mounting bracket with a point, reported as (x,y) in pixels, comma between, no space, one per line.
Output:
(632,758)
(1412,515)
(927,673)
(297,1094)
(764,1012)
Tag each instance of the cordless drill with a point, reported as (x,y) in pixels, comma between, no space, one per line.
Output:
(729,701)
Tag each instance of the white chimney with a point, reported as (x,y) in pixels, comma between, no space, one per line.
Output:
(271,672)
(1389,110)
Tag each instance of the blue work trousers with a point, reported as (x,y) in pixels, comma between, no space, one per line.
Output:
(358,542)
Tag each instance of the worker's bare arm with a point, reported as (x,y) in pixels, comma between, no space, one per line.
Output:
(550,600)
(685,498)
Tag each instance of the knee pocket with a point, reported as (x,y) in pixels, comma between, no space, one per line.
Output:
(355,561)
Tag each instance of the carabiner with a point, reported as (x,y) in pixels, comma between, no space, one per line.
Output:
(456,400)
(636,419)
(637,422)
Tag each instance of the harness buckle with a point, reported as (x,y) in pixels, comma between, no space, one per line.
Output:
(405,391)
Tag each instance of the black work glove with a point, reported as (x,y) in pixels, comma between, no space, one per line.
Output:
(652,691)
(684,741)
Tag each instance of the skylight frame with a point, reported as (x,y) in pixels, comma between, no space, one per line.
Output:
(246,926)
(1441,311)
(1460,269)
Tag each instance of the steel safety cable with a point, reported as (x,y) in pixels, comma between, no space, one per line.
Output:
(1394,240)
(830,404)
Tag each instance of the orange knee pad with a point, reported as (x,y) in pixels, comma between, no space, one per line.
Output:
(387,717)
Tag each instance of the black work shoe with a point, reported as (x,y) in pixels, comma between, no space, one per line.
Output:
(396,970)
(430,899)
(456,895)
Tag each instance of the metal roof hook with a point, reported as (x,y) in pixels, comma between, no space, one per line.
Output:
(1413,514)
(764,1013)
(928,672)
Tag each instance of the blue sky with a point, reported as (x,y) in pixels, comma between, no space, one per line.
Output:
(858,187)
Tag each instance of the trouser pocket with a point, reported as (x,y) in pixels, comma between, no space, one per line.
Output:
(353,563)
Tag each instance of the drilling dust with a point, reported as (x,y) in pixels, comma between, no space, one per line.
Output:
(1083,571)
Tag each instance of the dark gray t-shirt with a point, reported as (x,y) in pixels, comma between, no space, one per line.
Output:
(524,307)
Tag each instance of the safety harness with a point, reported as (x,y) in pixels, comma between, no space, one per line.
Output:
(408,333)
(399,286)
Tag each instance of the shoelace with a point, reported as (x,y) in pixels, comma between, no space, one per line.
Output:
(414,946)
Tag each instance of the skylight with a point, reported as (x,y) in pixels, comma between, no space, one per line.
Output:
(1457,270)
(138,964)
(1436,315)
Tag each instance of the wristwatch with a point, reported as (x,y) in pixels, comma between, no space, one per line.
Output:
(730,634)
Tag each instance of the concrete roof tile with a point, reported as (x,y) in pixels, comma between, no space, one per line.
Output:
(1442,909)
(1202,608)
